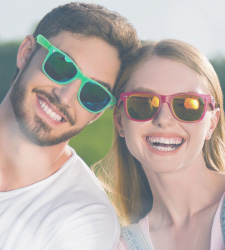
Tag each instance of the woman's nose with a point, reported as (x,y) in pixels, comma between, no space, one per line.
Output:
(164,118)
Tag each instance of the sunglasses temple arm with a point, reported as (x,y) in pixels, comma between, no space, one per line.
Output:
(119,102)
(113,101)
(43,42)
(212,102)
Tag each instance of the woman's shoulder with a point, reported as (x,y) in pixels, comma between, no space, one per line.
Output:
(218,227)
(134,234)
(222,215)
(218,185)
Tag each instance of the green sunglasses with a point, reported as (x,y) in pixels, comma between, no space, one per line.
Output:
(60,68)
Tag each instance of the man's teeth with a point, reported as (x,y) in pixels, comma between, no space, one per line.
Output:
(49,111)
(164,144)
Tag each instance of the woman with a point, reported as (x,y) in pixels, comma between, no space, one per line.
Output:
(169,150)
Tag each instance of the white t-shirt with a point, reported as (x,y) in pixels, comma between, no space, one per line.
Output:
(68,210)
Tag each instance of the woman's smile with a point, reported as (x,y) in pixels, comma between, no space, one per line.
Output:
(165,144)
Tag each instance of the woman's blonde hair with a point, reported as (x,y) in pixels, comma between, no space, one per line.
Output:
(121,173)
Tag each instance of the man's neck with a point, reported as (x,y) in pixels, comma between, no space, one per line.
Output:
(24,165)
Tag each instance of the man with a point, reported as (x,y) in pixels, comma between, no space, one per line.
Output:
(49,198)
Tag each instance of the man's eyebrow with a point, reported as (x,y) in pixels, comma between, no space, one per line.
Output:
(69,56)
(106,85)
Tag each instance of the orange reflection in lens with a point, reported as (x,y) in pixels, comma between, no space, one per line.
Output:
(155,102)
(190,103)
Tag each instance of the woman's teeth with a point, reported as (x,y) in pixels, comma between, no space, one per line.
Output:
(49,111)
(163,143)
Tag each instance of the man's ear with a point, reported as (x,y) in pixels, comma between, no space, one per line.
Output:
(25,50)
(214,121)
(117,120)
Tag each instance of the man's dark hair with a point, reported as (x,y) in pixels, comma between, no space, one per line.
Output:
(90,20)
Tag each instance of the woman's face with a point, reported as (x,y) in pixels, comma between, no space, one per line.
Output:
(148,141)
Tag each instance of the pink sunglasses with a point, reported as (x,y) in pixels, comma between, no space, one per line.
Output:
(185,107)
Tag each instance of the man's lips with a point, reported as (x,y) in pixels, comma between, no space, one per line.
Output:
(51,103)
(48,110)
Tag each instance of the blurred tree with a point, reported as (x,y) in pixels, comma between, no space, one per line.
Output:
(219,66)
(8,52)
(95,141)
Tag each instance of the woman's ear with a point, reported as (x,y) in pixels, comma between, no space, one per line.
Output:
(25,50)
(117,121)
(214,121)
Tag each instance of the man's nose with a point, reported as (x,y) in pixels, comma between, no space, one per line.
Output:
(67,93)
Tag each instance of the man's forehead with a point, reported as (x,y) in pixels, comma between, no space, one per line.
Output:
(89,50)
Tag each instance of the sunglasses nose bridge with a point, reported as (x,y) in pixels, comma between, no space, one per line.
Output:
(164,115)
(166,99)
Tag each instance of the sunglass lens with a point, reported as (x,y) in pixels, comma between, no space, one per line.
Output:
(94,97)
(188,107)
(142,106)
(59,68)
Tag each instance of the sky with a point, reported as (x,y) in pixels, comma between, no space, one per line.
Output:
(198,22)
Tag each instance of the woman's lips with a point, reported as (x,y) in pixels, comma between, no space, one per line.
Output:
(164,144)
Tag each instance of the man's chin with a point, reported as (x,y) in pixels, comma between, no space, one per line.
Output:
(40,137)
(34,129)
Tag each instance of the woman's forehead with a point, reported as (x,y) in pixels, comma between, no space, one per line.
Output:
(160,74)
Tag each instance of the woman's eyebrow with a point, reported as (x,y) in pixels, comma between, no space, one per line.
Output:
(140,89)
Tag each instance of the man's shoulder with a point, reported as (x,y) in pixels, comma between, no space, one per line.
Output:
(83,173)
(84,201)
(80,184)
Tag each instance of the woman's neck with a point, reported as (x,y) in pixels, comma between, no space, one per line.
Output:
(179,195)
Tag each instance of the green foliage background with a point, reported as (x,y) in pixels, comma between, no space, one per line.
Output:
(8,52)
(95,140)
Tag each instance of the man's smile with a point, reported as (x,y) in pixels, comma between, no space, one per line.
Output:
(52,108)
(53,115)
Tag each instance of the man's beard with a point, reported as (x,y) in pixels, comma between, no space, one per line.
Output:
(36,131)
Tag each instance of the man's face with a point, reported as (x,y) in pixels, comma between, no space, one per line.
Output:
(49,113)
